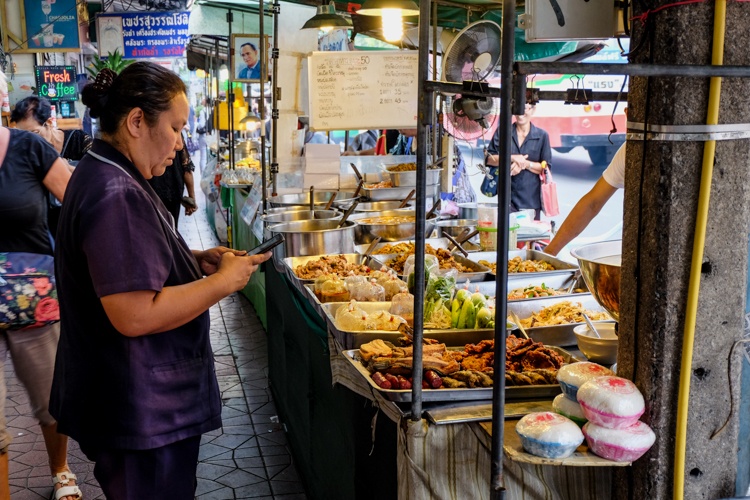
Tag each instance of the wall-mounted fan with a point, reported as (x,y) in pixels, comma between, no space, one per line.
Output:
(472,55)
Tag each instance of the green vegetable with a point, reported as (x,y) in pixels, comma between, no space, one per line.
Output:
(478,299)
(485,318)
(463,295)
(468,315)
(455,313)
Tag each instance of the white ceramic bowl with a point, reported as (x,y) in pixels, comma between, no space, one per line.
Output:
(603,350)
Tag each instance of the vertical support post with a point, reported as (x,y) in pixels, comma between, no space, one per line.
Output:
(275,99)
(262,105)
(497,491)
(230,90)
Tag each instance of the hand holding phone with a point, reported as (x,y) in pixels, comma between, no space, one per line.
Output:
(267,245)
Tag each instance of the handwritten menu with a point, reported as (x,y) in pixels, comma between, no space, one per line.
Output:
(363,90)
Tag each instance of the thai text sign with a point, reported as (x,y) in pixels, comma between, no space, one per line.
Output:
(146,35)
(57,82)
(51,25)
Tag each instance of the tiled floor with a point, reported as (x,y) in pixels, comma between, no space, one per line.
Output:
(247,458)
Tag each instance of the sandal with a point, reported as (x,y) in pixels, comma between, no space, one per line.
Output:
(67,489)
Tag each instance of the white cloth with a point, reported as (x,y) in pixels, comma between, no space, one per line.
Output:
(615,172)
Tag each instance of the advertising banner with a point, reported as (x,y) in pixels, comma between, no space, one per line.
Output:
(143,35)
(51,25)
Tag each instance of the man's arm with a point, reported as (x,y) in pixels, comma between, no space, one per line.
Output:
(585,210)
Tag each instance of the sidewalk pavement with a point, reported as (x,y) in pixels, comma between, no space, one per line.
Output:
(247,458)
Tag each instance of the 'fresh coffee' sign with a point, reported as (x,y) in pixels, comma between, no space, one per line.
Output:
(56,82)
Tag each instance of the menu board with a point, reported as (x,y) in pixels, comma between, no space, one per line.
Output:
(363,90)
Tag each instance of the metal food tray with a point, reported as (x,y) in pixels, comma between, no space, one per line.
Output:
(478,271)
(434,242)
(396,193)
(512,392)
(354,258)
(561,267)
(556,281)
(559,335)
(408,178)
(354,339)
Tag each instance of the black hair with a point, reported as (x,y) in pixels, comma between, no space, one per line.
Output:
(252,46)
(34,107)
(143,85)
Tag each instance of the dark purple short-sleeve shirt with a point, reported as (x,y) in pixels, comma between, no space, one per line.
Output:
(112,391)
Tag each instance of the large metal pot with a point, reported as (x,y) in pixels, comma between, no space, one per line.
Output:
(303,199)
(245,149)
(395,231)
(294,215)
(470,210)
(600,267)
(313,237)
(456,227)
(381,206)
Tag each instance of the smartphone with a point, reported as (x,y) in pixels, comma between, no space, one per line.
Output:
(267,245)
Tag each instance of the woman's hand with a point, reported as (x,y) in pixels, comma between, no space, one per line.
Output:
(208,260)
(237,269)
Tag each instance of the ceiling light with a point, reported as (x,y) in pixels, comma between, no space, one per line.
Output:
(326,19)
(391,14)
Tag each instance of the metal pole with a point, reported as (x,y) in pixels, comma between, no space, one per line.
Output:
(689,70)
(275,99)
(497,491)
(262,105)
(433,122)
(230,91)
(420,206)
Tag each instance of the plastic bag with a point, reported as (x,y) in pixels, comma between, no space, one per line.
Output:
(431,264)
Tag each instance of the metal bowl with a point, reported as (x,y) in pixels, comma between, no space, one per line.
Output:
(303,199)
(396,231)
(456,227)
(408,178)
(313,237)
(598,350)
(600,267)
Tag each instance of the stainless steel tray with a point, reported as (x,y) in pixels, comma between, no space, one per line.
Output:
(434,242)
(293,262)
(556,281)
(484,393)
(397,193)
(561,266)
(354,339)
(560,335)
(478,271)
(409,178)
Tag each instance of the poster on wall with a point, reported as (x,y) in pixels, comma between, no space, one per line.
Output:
(246,64)
(51,25)
(143,35)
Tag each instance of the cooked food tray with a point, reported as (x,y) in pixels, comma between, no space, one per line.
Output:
(435,242)
(396,193)
(292,262)
(354,339)
(556,281)
(555,335)
(478,272)
(467,394)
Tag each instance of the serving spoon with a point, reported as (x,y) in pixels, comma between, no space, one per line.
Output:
(591,325)
(517,321)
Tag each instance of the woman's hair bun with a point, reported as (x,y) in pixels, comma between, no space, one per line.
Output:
(94,94)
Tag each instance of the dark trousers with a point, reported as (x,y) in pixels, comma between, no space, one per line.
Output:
(166,473)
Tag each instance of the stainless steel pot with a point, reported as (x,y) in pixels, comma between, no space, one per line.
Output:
(600,267)
(456,227)
(313,237)
(396,231)
(380,206)
(303,199)
(295,215)
(470,210)
(409,178)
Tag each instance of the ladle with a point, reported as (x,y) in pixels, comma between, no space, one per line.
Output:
(431,212)
(368,253)
(458,245)
(356,172)
(330,202)
(348,212)
(359,188)
(312,198)
(517,321)
(591,325)
(407,199)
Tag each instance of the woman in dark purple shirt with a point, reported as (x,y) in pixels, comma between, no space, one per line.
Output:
(134,378)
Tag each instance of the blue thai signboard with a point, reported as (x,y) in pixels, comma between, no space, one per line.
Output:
(51,25)
(144,35)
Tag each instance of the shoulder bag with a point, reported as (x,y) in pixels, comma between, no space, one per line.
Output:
(28,296)
(549,192)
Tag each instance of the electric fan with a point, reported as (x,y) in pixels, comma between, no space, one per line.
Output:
(472,56)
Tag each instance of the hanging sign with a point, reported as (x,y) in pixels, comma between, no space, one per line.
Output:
(57,82)
(51,25)
(143,35)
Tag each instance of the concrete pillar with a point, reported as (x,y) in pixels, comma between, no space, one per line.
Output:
(661,195)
